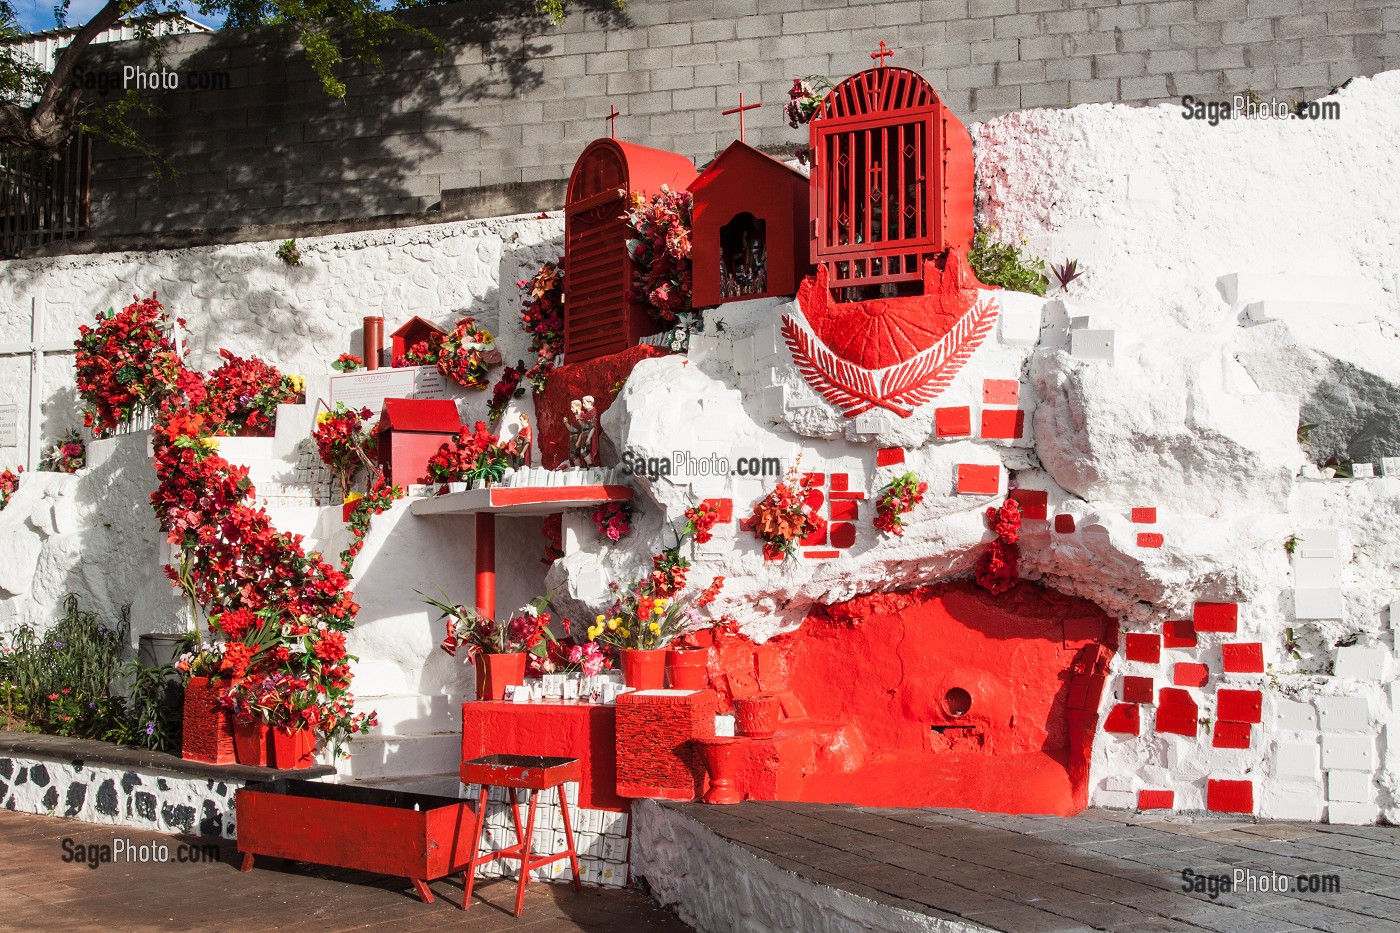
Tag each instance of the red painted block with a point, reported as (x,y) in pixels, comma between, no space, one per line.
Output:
(1179,634)
(814,499)
(1145,516)
(1230,796)
(1156,799)
(1034,503)
(1137,689)
(1150,539)
(1231,735)
(1190,675)
(843,534)
(840,482)
(1216,617)
(1143,647)
(816,538)
(1239,705)
(1064,524)
(725,508)
(746,524)
(889,456)
(1177,712)
(952,422)
(1123,719)
(1000,391)
(854,496)
(1003,424)
(844,510)
(975,479)
(819,555)
(1243,657)
(814,479)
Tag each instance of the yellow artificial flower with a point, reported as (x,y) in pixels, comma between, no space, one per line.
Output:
(624,633)
(659,610)
(354,497)
(209,443)
(297,383)
(613,624)
(599,620)
(323,417)
(655,628)
(594,631)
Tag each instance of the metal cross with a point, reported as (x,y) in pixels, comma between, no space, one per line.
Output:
(612,121)
(740,111)
(881,55)
(35,349)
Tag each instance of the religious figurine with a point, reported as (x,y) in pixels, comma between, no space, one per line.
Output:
(591,436)
(576,428)
(518,448)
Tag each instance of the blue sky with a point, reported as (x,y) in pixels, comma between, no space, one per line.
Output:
(37,15)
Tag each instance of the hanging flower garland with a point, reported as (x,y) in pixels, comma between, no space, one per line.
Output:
(467,353)
(505,389)
(126,363)
(783,518)
(659,243)
(377,501)
(9,485)
(997,567)
(897,500)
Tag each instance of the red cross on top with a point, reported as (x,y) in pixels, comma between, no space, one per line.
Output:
(612,121)
(881,55)
(740,111)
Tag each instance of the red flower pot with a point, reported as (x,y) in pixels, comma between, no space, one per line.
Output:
(295,749)
(495,672)
(757,716)
(250,741)
(723,757)
(686,667)
(208,731)
(644,670)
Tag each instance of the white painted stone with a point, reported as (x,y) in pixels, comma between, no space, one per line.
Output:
(1019,318)
(1292,716)
(1363,470)
(1297,760)
(1352,814)
(1318,603)
(1292,801)
(1096,345)
(1350,787)
(774,397)
(1348,753)
(1343,714)
(1362,662)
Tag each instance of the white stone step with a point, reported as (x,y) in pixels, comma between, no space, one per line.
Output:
(412,715)
(1309,313)
(379,757)
(1244,287)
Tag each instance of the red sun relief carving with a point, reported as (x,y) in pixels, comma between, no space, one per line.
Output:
(891,353)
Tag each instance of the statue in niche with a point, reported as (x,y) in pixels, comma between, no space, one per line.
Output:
(743,257)
(518,448)
(583,432)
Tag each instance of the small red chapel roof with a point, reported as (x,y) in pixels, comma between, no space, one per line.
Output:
(430,415)
(413,324)
(739,150)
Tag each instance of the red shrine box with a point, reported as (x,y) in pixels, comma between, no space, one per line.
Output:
(749,211)
(410,431)
(413,332)
(586,731)
(891,179)
(599,320)
(657,751)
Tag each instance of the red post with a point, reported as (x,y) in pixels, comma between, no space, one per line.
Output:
(373,341)
(486,564)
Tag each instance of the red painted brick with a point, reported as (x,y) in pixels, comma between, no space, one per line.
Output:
(1064,524)
(889,456)
(1239,705)
(840,482)
(1137,689)
(843,534)
(814,479)
(1003,424)
(1143,647)
(1156,799)
(1216,617)
(1190,675)
(1034,503)
(1231,735)
(820,555)
(1145,515)
(1243,657)
(1177,712)
(1179,634)
(1123,719)
(1150,539)
(1000,391)
(952,422)
(844,510)
(725,508)
(816,538)
(1230,796)
(975,479)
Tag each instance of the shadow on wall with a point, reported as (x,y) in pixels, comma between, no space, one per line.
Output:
(272,145)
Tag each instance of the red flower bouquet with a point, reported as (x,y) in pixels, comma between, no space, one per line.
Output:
(422,353)
(9,483)
(347,363)
(613,520)
(475,454)
(467,353)
(997,567)
(897,500)
(344,442)
(126,364)
(505,389)
(66,456)
(783,518)
(659,243)
(700,521)
(242,395)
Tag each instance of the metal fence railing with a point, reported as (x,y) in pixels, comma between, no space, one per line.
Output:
(43,198)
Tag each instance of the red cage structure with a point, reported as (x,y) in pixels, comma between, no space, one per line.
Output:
(750,211)
(598,318)
(415,330)
(891,179)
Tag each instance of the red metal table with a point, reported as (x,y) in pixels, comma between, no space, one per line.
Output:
(520,772)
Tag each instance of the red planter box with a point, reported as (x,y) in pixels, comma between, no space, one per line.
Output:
(416,836)
(293,750)
(208,730)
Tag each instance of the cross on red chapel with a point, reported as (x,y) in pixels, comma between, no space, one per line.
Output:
(612,121)
(740,111)
(881,55)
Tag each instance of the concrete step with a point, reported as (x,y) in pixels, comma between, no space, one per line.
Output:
(381,757)
(407,715)
(1244,287)
(1309,313)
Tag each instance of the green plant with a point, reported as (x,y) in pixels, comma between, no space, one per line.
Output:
(1291,543)
(153,711)
(1003,264)
(1067,272)
(288,253)
(1291,644)
(1303,431)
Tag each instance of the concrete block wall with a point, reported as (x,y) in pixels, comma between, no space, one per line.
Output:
(513,100)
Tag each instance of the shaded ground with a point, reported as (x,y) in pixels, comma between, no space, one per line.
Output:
(39,891)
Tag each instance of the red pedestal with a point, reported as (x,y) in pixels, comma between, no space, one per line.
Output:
(657,751)
(723,759)
(208,732)
(584,731)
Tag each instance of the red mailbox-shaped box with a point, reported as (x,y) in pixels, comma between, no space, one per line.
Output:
(415,331)
(410,431)
(750,210)
(599,320)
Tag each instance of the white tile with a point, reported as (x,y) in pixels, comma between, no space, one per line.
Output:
(1292,801)
(743,355)
(1296,760)
(1316,568)
(1318,603)
(1293,715)
(1352,814)
(1328,539)
(773,398)
(1092,345)
(1019,320)
(1390,466)
(1362,662)
(1343,714)
(1350,787)
(1348,753)
(766,343)
(872,422)
(1363,470)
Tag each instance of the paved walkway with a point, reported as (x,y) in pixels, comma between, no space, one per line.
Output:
(1099,871)
(40,892)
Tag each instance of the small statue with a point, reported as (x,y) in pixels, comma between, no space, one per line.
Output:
(589,439)
(518,449)
(576,428)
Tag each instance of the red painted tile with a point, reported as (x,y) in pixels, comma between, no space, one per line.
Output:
(1177,713)
(952,422)
(1064,524)
(746,524)
(1231,735)
(1000,391)
(1145,516)
(976,479)
(1150,539)
(814,498)
(852,496)
(1243,657)
(1143,647)
(1239,705)
(843,534)
(840,482)
(1156,799)
(889,456)
(1185,674)
(725,508)
(1034,503)
(820,555)
(816,538)
(1003,424)
(1216,617)
(844,510)
(1137,689)
(1179,634)
(1230,796)
(1123,719)
(814,479)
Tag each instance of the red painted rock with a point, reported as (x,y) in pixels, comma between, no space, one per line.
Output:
(1141,646)
(1243,658)
(1216,617)
(1156,799)
(1177,712)
(1239,705)
(1186,674)
(1230,796)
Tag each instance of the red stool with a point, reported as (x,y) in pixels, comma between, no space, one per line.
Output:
(520,772)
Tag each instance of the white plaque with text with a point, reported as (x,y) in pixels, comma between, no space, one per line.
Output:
(9,425)
(370,389)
